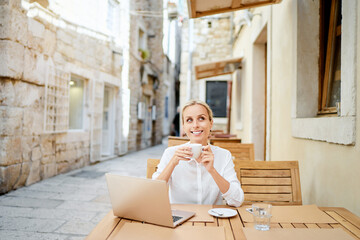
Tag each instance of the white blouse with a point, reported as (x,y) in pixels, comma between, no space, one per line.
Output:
(191,183)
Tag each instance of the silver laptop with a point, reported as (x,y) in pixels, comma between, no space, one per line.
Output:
(143,200)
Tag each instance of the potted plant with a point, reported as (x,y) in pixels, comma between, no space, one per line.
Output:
(144,54)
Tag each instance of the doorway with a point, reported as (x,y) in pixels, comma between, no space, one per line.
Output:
(147,126)
(108,122)
(259,96)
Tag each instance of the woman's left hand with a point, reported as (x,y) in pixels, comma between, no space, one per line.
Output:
(207,158)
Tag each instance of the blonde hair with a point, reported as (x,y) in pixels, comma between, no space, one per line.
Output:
(197,102)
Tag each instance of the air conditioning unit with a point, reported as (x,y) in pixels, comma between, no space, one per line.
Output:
(153,112)
(172,10)
(141,111)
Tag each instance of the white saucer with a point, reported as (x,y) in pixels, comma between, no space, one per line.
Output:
(226,212)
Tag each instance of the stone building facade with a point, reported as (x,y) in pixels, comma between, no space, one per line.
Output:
(145,80)
(45,127)
(281,49)
(204,40)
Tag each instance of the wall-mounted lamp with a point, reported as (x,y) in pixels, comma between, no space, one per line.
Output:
(246,17)
(151,34)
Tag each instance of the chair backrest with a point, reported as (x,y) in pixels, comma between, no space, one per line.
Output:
(241,151)
(174,141)
(214,132)
(151,166)
(214,140)
(275,182)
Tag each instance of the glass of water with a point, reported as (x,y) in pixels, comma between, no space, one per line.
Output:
(262,216)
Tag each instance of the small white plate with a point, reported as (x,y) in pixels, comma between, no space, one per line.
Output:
(226,212)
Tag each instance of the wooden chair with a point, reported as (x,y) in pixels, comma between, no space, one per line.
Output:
(151,167)
(174,141)
(275,182)
(214,140)
(214,132)
(240,151)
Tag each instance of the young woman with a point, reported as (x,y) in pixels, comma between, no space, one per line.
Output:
(206,180)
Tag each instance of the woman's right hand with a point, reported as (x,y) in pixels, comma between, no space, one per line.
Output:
(181,153)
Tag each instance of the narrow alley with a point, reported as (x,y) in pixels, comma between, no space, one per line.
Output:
(70,205)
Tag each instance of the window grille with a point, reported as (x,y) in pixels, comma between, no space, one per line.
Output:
(56,117)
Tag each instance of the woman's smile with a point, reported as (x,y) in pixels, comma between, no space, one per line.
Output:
(197,132)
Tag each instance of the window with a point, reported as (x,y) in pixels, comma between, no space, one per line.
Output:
(308,90)
(330,56)
(112,20)
(142,43)
(76,106)
(216,97)
(142,39)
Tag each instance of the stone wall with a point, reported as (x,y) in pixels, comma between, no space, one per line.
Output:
(153,28)
(211,43)
(157,58)
(28,47)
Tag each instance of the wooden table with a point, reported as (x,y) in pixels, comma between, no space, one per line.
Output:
(110,225)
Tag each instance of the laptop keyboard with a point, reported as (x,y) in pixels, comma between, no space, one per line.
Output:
(176,218)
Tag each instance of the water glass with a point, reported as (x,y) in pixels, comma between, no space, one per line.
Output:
(262,216)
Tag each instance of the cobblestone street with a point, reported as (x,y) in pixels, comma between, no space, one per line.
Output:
(67,206)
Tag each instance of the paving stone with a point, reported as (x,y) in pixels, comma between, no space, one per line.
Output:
(23,192)
(45,213)
(86,206)
(6,211)
(30,224)
(98,191)
(29,202)
(77,227)
(63,214)
(59,179)
(75,196)
(87,174)
(53,188)
(75,238)
(16,235)
(103,198)
(98,217)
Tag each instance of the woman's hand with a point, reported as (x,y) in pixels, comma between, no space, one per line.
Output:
(182,153)
(207,158)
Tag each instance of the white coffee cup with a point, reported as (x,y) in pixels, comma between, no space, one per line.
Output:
(196,149)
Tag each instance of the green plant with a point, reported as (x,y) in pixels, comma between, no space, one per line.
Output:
(145,54)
